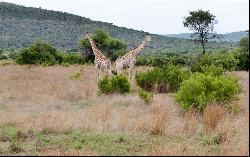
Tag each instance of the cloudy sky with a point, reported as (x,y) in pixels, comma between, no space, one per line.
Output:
(154,16)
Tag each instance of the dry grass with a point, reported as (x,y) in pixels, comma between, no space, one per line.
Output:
(212,115)
(45,98)
(66,153)
(160,118)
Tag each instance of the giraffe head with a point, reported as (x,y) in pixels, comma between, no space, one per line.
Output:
(148,37)
(87,34)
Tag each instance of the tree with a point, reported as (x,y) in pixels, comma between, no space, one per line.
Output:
(111,46)
(244,43)
(202,23)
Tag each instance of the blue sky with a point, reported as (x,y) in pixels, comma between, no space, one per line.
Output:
(154,16)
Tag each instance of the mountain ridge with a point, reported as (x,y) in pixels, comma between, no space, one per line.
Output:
(20,26)
(229,37)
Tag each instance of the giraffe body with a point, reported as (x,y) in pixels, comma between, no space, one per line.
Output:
(128,60)
(101,61)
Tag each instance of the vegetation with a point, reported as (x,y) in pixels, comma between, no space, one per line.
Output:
(111,46)
(41,52)
(202,89)
(202,23)
(116,84)
(227,60)
(111,124)
(118,124)
(146,97)
(163,80)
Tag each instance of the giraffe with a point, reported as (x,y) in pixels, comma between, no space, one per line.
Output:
(128,60)
(101,61)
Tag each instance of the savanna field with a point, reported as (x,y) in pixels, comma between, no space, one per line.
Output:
(158,93)
(56,110)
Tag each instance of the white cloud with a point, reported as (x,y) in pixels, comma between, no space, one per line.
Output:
(155,16)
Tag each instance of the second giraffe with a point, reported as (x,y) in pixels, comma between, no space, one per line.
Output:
(128,60)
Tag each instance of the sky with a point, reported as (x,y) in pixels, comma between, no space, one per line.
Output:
(154,16)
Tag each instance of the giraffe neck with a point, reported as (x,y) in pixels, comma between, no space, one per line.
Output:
(136,50)
(94,47)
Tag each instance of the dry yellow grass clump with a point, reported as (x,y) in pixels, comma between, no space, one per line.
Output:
(48,102)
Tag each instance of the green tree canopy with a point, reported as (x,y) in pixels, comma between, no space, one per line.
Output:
(202,24)
(244,43)
(113,48)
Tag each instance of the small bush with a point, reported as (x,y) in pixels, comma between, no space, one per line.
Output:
(105,85)
(75,75)
(117,84)
(9,133)
(71,58)
(227,60)
(146,97)
(65,64)
(212,70)
(147,80)
(202,89)
(166,79)
(120,84)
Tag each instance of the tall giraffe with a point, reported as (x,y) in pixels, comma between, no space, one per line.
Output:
(101,61)
(128,60)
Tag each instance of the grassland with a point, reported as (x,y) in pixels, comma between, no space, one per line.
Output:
(56,111)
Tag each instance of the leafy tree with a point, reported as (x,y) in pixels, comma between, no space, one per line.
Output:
(244,44)
(202,23)
(111,46)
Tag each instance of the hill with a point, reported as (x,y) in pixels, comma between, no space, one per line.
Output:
(20,26)
(228,37)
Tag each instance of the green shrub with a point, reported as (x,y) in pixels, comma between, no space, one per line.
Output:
(75,75)
(9,133)
(147,80)
(39,53)
(227,60)
(146,97)
(105,85)
(120,84)
(174,75)
(116,84)
(65,64)
(202,89)
(212,70)
(166,79)
(71,58)
(243,58)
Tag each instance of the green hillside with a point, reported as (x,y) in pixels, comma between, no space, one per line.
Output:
(20,26)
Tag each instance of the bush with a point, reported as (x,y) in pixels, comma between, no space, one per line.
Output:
(212,70)
(65,64)
(39,53)
(71,58)
(75,75)
(146,97)
(147,80)
(117,84)
(166,79)
(243,58)
(227,60)
(202,89)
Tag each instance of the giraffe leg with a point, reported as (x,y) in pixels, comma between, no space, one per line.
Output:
(97,70)
(130,73)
